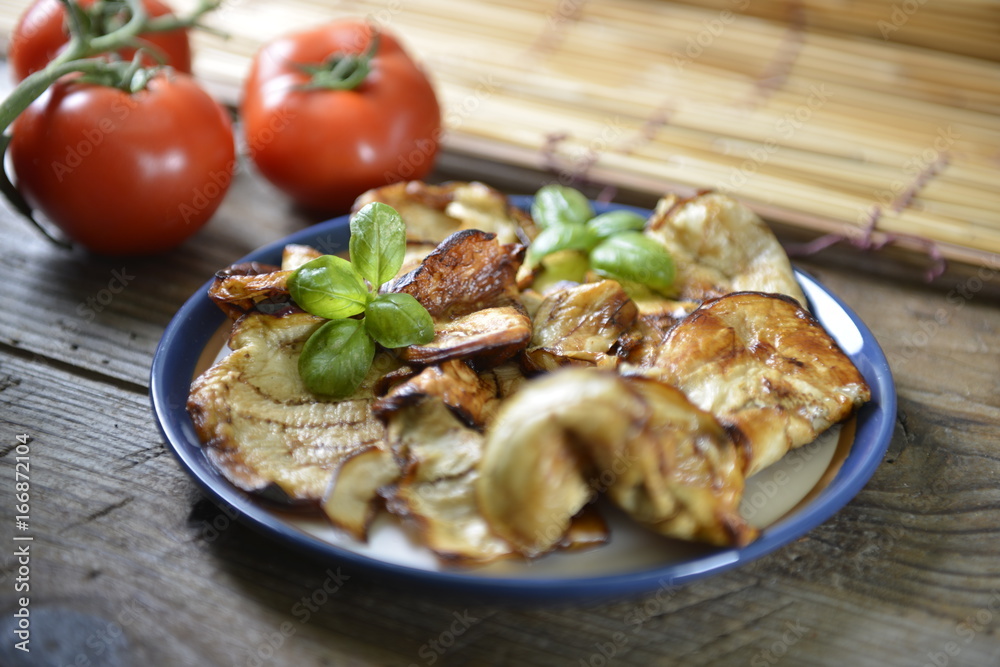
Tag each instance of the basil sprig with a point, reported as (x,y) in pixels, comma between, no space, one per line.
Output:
(613,242)
(338,355)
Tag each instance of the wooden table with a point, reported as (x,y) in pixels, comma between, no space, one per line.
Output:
(132,565)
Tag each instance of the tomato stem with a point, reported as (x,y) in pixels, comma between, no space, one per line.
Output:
(78,56)
(342,71)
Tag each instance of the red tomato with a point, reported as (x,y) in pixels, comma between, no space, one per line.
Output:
(41,34)
(324,147)
(124,173)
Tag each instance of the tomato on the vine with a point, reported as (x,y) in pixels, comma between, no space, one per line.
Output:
(333,111)
(120,172)
(41,34)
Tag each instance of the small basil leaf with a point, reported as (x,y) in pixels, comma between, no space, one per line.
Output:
(329,287)
(336,358)
(634,257)
(378,242)
(616,222)
(398,320)
(560,205)
(559,237)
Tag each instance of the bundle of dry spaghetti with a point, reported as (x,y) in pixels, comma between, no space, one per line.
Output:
(831,133)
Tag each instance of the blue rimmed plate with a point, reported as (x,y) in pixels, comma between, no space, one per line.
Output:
(787,500)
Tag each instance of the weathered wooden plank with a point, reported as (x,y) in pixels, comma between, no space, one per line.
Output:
(124,538)
(107,314)
(906,574)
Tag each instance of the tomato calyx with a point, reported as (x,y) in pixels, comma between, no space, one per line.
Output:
(129,77)
(342,71)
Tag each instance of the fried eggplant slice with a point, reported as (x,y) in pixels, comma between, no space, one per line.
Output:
(579,325)
(641,343)
(421,206)
(352,498)
(238,289)
(295,255)
(486,337)
(434,212)
(576,432)
(261,426)
(468,271)
(437,493)
(766,369)
(479,206)
(471,396)
(720,246)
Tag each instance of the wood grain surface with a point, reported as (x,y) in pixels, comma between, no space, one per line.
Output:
(131,565)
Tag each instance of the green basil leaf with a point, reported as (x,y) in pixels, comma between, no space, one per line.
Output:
(559,237)
(336,358)
(398,320)
(560,205)
(329,287)
(378,243)
(616,222)
(632,256)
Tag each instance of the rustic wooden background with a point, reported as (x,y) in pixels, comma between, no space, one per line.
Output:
(131,565)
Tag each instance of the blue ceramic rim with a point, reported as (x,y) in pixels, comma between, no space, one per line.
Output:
(198,319)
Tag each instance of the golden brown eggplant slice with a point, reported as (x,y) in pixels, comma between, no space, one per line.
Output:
(579,325)
(764,367)
(721,246)
(238,289)
(434,212)
(436,494)
(469,271)
(486,337)
(576,432)
(259,423)
(421,206)
(471,396)
(352,498)
(295,255)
